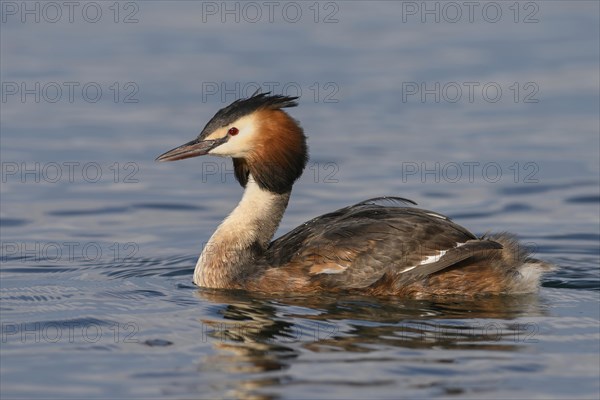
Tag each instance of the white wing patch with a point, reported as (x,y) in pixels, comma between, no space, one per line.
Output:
(408,269)
(331,271)
(431,259)
(434,214)
(329,268)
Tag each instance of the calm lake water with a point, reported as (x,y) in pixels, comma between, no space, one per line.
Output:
(486,112)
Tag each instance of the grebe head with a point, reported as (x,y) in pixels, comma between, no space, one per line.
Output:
(263,140)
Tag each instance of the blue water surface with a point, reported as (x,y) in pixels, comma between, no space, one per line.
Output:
(488,114)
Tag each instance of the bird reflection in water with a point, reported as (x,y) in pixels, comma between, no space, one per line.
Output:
(253,334)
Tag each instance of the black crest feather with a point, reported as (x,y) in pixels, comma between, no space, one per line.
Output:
(242,107)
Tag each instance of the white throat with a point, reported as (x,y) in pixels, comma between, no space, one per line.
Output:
(242,236)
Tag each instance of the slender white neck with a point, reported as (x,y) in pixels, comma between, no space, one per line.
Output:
(244,235)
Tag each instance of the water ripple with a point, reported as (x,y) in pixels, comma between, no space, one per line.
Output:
(591,199)
(91,211)
(168,206)
(152,267)
(13,222)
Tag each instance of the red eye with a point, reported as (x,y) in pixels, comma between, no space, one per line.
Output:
(233,131)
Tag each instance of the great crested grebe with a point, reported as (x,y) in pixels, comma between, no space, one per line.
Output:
(382,246)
